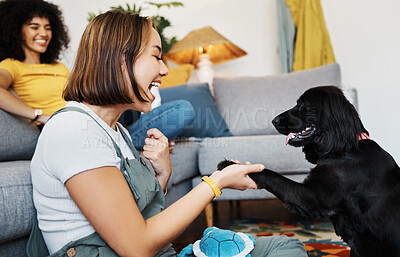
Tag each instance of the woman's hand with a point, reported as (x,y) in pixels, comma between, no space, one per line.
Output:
(156,149)
(236,176)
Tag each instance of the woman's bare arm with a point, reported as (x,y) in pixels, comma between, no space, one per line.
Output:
(105,199)
(11,103)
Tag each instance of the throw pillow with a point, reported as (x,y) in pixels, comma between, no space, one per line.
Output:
(208,122)
(177,76)
(17,138)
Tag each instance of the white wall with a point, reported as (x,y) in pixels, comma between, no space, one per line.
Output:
(364,34)
(366,42)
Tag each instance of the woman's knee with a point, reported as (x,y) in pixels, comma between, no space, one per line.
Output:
(186,106)
(185,110)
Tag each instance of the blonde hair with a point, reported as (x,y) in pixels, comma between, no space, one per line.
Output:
(108,40)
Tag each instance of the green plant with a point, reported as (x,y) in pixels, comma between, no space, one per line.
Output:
(160,21)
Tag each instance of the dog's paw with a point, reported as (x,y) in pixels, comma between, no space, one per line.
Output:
(225,163)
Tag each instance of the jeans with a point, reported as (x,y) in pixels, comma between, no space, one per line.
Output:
(170,118)
(278,246)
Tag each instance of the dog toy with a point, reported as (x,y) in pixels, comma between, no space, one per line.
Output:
(220,243)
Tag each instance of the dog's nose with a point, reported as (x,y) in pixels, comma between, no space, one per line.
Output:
(276,121)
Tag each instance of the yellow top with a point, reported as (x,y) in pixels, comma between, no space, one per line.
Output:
(38,85)
(313,47)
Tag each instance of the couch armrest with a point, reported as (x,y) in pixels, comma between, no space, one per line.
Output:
(18,137)
(16,206)
(351,95)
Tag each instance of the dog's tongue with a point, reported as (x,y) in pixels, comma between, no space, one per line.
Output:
(289,136)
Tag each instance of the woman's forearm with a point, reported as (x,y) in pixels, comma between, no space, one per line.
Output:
(169,224)
(163,180)
(12,104)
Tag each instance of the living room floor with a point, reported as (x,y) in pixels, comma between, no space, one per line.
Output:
(226,211)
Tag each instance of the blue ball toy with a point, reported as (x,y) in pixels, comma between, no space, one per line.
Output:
(220,243)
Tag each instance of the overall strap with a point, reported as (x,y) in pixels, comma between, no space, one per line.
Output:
(129,142)
(77,109)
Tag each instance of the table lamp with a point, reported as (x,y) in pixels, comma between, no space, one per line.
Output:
(202,48)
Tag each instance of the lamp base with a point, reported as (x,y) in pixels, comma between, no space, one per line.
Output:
(206,73)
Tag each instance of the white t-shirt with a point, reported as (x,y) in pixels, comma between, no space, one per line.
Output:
(70,143)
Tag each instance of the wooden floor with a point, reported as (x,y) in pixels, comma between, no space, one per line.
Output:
(226,211)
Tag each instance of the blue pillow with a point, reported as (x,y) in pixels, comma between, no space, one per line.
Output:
(207,122)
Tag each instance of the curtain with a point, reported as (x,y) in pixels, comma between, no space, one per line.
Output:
(312,47)
(287,34)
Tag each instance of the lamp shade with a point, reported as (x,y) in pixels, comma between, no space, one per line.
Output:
(200,41)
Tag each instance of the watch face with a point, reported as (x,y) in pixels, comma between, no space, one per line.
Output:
(38,112)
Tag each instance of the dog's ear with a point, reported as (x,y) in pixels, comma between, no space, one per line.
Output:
(340,124)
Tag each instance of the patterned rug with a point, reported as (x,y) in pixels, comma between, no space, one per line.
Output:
(319,238)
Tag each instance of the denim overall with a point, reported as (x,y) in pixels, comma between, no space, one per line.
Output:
(145,188)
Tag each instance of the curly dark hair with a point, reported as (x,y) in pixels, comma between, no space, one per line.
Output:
(15,13)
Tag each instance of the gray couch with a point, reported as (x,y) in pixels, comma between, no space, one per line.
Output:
(248,105)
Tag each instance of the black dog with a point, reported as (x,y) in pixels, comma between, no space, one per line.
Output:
(356,184)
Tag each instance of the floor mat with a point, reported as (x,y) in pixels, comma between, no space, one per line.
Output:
(319,238)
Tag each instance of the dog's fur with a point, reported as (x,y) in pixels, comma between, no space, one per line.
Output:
(355,183)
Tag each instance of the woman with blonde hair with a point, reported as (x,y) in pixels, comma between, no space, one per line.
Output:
(93,193)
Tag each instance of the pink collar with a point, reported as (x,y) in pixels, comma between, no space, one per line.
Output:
(363,136)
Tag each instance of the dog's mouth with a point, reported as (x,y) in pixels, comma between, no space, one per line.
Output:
(293,138)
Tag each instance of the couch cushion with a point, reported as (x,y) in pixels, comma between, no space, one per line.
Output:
(207,122)
(249,104)
(18,138)
(16,211)
(177,191)
(14,248)
(269,150)
(184,161)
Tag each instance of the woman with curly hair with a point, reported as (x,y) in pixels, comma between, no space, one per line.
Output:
(33,35)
